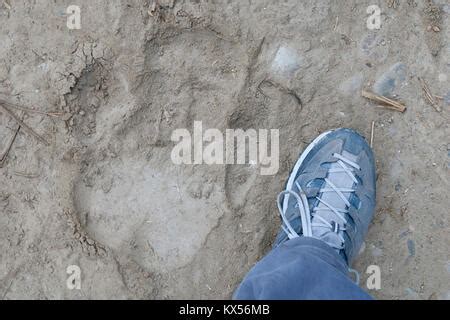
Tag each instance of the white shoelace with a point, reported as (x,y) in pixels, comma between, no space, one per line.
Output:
(346,166)
(306,215)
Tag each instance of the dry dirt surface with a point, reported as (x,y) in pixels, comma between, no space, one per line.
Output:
(96,186)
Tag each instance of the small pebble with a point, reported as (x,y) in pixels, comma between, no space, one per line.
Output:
(446,8)
(404,233)
(411,248)
(376,252)
(447,98)
(363,248)
(352,85)
(411,293)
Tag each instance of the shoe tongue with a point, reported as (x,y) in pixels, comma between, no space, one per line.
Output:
(340,180)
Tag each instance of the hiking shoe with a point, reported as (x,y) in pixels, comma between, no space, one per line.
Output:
(330,193)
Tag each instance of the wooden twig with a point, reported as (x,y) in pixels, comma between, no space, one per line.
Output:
(15,106)
(430,97)
(336,24)
(24,126)
(26,175)
(7,4)
(385,102)
(393,4)
(385,106)
(8,147)
(372,132)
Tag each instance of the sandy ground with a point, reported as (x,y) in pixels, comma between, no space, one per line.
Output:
(104,195)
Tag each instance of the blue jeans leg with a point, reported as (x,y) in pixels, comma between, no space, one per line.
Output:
(301,268)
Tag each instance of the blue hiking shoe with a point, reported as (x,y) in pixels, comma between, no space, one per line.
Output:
(330,193)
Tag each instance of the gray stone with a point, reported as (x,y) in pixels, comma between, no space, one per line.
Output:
(286,60)
(386,84)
